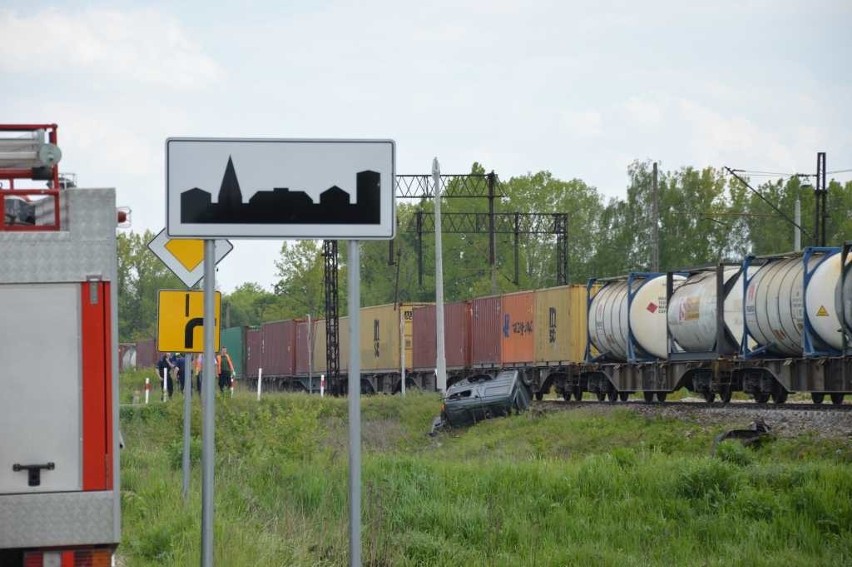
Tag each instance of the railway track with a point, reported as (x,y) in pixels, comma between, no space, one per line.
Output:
(701,405)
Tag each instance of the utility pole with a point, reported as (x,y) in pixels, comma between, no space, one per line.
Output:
(441,357)
(820,211)
(492,236)
(655,224)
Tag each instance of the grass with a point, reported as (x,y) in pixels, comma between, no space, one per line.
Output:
(553,488)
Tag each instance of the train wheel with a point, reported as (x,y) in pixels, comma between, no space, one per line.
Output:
(761,397)
(837,399)
(539,395)
(578,393)
(623,396)
(566,395)
(709,397)
(725,394)
(817,397)
(612,395)
(661,396)
(780,396)
(649,397)
(601,395)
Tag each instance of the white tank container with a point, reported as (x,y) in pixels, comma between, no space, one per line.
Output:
(823,301)
(847,297)
(611,318)
(692,311)
(775,303)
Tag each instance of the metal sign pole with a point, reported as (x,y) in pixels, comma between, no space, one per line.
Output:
(354,390)
(208,393)
(187,417)
(441,357)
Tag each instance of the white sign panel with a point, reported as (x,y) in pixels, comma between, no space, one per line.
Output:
(185,257)
(302,189)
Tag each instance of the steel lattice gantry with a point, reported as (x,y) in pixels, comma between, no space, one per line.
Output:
(498,223)
(332,316)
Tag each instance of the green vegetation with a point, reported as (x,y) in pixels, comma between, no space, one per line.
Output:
(542,488)
(704,216)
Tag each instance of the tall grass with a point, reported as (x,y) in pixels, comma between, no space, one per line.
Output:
(561,488)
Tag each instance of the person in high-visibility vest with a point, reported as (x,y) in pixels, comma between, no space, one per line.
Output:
(197,361)
(225,369)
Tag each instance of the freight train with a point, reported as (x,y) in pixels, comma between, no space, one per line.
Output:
(767,326)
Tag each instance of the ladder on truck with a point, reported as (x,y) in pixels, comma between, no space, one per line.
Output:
(59,477)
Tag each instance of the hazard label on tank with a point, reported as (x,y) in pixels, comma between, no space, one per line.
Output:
(652,307)
(822,311)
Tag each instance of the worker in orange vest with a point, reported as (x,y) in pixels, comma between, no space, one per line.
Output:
(197,362)
(225,369)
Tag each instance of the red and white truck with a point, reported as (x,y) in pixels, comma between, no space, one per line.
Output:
(59,441)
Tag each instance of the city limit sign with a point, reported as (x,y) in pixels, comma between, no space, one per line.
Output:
(265,188)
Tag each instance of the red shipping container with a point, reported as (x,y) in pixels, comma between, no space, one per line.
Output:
(146,353)
(254,352)
(304,335)
(456,336)
(279,352)
(486,328)
(517,329)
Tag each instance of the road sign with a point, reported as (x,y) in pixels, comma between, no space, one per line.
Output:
(180,321)
(304,189)
(185,257)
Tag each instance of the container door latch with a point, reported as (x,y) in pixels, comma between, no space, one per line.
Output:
(33,471)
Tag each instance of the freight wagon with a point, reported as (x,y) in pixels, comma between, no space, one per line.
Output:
(767,327)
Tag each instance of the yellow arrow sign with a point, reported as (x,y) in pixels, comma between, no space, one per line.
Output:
(180,321)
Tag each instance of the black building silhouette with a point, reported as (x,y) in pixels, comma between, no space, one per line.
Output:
(283,206)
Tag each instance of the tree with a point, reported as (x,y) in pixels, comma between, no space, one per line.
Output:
(248,305)
(140,277)
(300,290)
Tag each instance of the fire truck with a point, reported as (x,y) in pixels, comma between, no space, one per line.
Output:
(59,441)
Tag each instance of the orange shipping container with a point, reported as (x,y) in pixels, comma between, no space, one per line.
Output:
(517,344)
(560,315)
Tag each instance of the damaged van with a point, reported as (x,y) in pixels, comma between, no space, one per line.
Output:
(483,396)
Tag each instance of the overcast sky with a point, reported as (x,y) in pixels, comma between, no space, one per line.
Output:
(577,88)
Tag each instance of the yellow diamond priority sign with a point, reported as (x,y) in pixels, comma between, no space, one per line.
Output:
(185,257)
(180,321)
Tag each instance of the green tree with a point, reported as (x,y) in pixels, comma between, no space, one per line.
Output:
(300,290)
(140,277)
(249,304)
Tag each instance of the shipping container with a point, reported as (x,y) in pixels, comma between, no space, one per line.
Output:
(234,339)
(457,347)
(147,354)
(306,345)
(279,352)
(254,352)
(343,335)
(517,344)
(318,355)
(380,337)
(560,316)
(486,333)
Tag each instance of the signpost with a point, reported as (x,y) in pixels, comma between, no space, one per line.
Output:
(301,189)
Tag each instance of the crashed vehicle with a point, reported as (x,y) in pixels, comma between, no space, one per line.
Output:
(483,396)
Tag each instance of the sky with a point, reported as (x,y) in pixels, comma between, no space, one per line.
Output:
(580,89)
